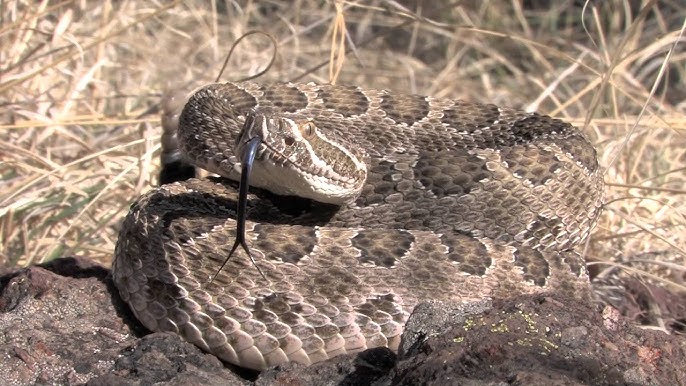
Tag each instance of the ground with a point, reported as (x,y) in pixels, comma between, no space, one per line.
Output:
(64,323)
(81,82)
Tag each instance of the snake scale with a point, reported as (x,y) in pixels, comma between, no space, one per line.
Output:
(403,198)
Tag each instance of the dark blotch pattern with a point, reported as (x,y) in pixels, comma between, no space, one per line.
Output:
(577,145)
(407,109)
(285,98)
(542,127)
(464,118)
(241,100)
(285,243)
(533,263)
(348,101)
(372,306)
(449,174)
(545,229)
(575,261)
(530,164)
(382,248)
(335,281)
(469,254)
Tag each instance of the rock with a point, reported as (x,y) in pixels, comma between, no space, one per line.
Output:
(63,323)
(365,368)
(162,358)
(531,340)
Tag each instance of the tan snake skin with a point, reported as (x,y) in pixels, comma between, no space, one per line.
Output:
(461,202)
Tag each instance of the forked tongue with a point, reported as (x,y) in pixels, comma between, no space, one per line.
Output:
(247,160)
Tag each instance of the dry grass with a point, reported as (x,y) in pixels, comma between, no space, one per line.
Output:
(80,83)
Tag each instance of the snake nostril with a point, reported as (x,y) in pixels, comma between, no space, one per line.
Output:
(289,141)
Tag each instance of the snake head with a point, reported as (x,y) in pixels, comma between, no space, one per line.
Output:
(296,158)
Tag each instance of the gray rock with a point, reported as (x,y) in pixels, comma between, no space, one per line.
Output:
(532,340)
(63,323)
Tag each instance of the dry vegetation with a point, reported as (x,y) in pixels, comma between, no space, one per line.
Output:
(80,83)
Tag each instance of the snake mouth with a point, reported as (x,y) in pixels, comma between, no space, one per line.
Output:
(294,158)
(326,171)
(280,174)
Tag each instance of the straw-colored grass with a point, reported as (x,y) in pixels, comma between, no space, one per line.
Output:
(80,84)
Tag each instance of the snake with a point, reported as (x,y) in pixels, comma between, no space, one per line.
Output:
(362,203)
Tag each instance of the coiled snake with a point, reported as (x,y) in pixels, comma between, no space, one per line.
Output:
(403,198)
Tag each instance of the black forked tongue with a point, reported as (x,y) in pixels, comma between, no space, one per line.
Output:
(247,159)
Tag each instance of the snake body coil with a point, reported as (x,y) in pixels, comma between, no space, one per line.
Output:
(419,198)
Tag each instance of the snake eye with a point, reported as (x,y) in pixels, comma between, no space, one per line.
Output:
(308,129)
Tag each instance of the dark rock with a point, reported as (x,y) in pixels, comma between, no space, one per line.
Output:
(162,358)
(346,370)
(531,340)
(63,323)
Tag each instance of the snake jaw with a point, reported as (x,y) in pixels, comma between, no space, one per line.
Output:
(295,158)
